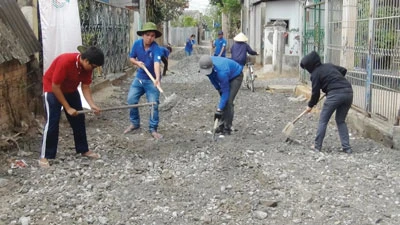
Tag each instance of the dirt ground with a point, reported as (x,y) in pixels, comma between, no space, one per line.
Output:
(250,177)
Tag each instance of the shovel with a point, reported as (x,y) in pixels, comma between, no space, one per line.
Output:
(169,101)
(118,107)
(290,126)
(214,129)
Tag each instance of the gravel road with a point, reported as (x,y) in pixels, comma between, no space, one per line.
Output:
(250,177)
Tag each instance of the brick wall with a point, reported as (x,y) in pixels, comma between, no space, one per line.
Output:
(18,95)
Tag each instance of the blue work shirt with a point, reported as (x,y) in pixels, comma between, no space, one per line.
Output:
(149,57)
(189,45)
(219,43)
(224,70)
(164,52)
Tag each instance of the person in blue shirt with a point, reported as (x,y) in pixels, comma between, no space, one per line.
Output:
(145,53)
(165,51)
(189,45)
(240,49)
(226,76)
(220,45)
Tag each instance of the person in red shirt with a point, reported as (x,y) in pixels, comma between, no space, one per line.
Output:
(60,89)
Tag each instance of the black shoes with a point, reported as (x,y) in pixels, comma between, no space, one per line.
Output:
(348,151)
(226,132)
(220,129)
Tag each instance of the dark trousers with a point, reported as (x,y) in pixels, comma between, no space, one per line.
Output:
(228,112)
(51,129)
(165,61)
(340,101)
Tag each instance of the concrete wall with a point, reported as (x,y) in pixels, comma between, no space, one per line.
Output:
(178,35)
(282,48)
(255,30)
(291,9)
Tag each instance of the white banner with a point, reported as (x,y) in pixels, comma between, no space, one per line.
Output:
(61,30)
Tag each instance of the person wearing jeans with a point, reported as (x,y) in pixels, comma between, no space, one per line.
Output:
(137,89)
(226,76)
(145,53)
(339,100)
(331,80)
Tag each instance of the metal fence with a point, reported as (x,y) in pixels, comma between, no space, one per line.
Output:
(107,27)
(363,36)
(179,35)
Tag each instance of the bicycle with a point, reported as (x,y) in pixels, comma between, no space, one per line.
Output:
(249,76)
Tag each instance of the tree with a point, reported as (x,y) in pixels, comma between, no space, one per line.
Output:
(232,9)
(185,21)
(158,11)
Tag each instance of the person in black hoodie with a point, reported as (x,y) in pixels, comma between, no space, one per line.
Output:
(339,97)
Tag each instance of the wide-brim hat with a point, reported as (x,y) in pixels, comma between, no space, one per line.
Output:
(240,37)
(149,26)
(206,65)
(82,48)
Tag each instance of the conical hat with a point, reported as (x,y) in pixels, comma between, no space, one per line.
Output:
(240,37)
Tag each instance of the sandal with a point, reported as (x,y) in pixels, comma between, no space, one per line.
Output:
(156,135)
(130,129)
(44,163)
(91,154)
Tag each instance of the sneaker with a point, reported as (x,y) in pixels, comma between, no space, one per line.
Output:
(348,151)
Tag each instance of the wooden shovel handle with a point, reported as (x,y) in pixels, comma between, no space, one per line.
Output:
(299,116)
(152,78)
(305,111)
(117,107)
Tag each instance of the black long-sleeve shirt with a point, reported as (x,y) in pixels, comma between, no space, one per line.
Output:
(324,76)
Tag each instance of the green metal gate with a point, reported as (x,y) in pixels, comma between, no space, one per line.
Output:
(364,37)
(314,31)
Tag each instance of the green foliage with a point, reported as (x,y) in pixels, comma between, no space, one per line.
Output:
(158,11)
(384,29)
(185,21)
(232,9)
(385,36)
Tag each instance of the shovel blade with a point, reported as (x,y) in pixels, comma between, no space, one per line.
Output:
(288,129)
(169,102)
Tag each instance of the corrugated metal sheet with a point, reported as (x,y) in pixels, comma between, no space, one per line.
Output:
(17,40)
